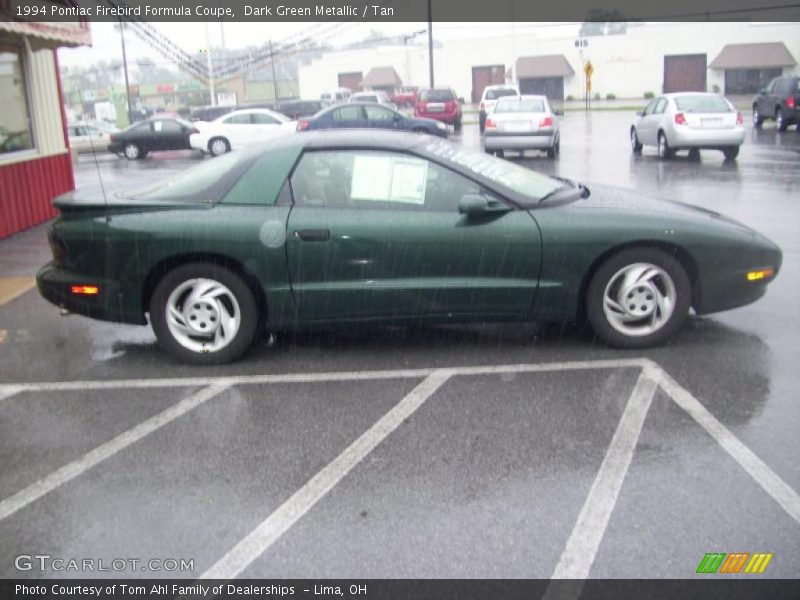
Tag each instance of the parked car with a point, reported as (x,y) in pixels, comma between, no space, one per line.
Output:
(90,136)
(337,96)
(780,101)
(405,95)
(522,123)
(441,104)
(240,128)
(330,227)
(688,121)
(209,113)
(376,97)
(154,134)
(370,115)
(294,109)
(491,94)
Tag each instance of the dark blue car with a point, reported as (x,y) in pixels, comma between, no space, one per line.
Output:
(370,115)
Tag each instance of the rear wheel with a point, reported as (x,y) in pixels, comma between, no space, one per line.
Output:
(133,151)
(218,146)
(636,145)
(203,313)
(758,120)
(731,152)
(457,124)
(664,151)
(554,150)
(482,121)
(780,120)
(638,298)
(694,153)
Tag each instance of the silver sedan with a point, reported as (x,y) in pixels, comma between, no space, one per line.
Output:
(689,121)
(524,123)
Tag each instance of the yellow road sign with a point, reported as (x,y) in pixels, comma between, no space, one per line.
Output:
(588,69)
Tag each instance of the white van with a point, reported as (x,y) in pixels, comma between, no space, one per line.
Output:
(337,96)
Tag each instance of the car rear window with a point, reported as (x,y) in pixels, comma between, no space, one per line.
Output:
(495,94)
(436,96)
(702,104)
(520,106)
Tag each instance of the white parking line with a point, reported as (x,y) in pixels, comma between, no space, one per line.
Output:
(71,470)
(579,554)
(262,537)
(776,487)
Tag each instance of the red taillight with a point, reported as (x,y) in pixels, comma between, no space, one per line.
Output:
(302,124)
(739,119)
(420,107)
(490,124)
(790,102)
(449,106)
(113,138)
(85,290)
(546,122)
(680,119)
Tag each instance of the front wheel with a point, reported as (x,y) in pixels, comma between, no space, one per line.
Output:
(639,297)
(758,120)
(218,146)
(133,151)
(636,145)
(554,150)
(203,314)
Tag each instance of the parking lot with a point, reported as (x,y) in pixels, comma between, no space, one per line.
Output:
(492,451)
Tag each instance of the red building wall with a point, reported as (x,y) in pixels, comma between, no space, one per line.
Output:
(26,189)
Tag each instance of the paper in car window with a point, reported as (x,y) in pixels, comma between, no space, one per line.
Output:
(389,179)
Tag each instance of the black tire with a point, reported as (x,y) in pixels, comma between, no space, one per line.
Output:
(609,271)
(780,120)
(482,121)
(731,153)
(758,120)
(694,153)
(248,313)
(499,153)
(664,150)
(554,150)
(457,124)
(218,146)
(133,151)
(636,145)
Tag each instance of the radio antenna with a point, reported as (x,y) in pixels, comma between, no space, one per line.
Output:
(94,156)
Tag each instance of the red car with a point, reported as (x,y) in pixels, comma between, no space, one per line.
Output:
(405,96)
(440,104)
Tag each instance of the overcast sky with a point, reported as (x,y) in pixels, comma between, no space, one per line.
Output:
(192,36)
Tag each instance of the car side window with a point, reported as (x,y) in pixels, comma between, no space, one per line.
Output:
(165,126)
(364,179)
(771,86)
(262,119)
(238,120)
(348,113)
(377,113)
(661,105)
(650,107)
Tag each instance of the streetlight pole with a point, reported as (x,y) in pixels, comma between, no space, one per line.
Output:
(274,79)
(430,42)
(125,70)
(210,66)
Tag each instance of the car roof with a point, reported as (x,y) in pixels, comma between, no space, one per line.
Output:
(503,86)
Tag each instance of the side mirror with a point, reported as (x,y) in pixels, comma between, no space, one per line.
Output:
(762,91)
(639,113)
(477,204)
(558,112)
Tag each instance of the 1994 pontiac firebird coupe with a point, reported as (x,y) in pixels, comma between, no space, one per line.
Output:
(371,226)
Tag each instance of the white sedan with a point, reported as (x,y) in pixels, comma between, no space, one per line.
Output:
(522,123)
(240,128)
(689,121)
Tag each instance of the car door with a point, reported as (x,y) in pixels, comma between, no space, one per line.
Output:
(169,135)
(349,115)
(380,117)
(376,234)
(766,101)
(659,118)
(645,124)
(264,127)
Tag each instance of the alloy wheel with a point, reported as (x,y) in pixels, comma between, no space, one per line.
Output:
(639,299)
(203,315)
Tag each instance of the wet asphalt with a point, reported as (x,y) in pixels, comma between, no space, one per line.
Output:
(487,478)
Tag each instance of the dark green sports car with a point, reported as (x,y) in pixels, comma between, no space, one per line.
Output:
(371,226)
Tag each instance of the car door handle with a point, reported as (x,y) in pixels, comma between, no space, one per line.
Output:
(313,235)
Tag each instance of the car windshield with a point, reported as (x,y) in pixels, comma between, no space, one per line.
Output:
(526,183)
(702,104)
(436,96)
(511,106)
(495,94)
(206,182)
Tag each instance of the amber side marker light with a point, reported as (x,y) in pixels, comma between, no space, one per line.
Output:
(88,290)
(760,274)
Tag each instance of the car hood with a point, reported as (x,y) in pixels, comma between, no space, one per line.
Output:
(631,202)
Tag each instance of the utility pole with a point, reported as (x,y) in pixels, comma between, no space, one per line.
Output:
(210,65)
(430,42)
(274,78)
(125,70)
